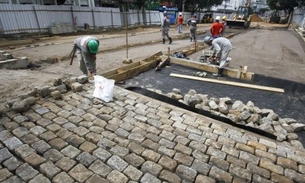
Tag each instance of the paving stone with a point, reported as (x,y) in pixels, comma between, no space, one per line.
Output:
(37,130)
(151,167)
(60,120)
(230,150)
(117,163)
(198,146)
(182,140)
(298,158)
(93,137)
(65,163)
(204,179)
(134,160)
(148,178)
(42,110)
(40,178)
(75,140)
(106,144)
(151,155)
(96,179)
(52,155)
(29,139)
(26,172)
(34,159)
(302,169)
(295,176)
(257,145)
(280,178)
(133,173)
(9,125)
(277,152)
(117,177)
(236,161)
(80,173)
(122,132)
(102,154)
(201,156)
(62,177)
(58,143)
(100,168)
(12,143)
(245,148)
(240,172)
(54,128)
(109,135)
(168,163)
(136,137)
(167,143)
(49,169)
(201,167)
(49,115)
(119,151)
(265,154)
(216,152)
(150,144)
(4,154)
(269,165)
(254,169)
(122,142)
(186,173)
(268,143)
(86,159)
(248,157)
(87,147)
(220,175)
(41,146)
(4,174)
(81,131)
(12,163)
(169,176)
(20,132)
(47,136)
(14,179)
(164,150)
(220,163)
(183,149)
(24,151)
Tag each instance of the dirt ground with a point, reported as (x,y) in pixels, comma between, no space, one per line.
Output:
(264,49)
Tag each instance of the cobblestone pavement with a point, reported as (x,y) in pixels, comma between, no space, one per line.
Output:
(135,139)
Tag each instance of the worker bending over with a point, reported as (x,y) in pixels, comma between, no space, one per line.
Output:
(221,49)
(86,49)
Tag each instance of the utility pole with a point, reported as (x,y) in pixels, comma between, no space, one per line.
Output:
(183,4)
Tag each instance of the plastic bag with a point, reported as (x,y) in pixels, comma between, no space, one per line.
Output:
(103,88)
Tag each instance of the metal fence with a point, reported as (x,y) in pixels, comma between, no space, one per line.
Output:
(38,18)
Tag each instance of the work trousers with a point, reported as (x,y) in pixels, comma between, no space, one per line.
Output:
(193,33)
(223,57)
(180,29)
(165,33)
(85,62)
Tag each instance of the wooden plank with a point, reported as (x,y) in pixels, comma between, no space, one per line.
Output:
(210,68)
(16,42)
(280,90)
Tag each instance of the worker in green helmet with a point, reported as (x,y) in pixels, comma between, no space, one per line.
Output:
(86,50)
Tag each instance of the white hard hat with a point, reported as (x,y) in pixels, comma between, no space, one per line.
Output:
(217,18)
(207,39)
(180,13)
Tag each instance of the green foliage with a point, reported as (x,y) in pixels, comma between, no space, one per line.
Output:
(286,5)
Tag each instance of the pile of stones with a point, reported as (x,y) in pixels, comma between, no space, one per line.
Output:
(240,113)
(56,90)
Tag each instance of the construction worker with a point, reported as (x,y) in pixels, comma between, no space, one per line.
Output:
(165,28)
(86,49)
(217,28)
(180,23)
(192,22)
(224,23)
(221,49)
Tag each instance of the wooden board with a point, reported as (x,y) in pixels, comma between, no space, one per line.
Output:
(266,88)
(210,68)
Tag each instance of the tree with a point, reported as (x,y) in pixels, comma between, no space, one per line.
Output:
(285,5)
(195,5)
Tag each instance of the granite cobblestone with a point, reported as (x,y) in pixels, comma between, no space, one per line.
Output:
(135,139)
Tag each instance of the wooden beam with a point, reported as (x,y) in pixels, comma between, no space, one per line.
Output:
(280,90)
(210,68)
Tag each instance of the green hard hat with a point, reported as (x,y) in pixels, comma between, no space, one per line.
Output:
(93,46)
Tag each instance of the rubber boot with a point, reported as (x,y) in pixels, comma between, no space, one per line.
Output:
(191,39)
(219,73)
(170,40)
(163,41)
